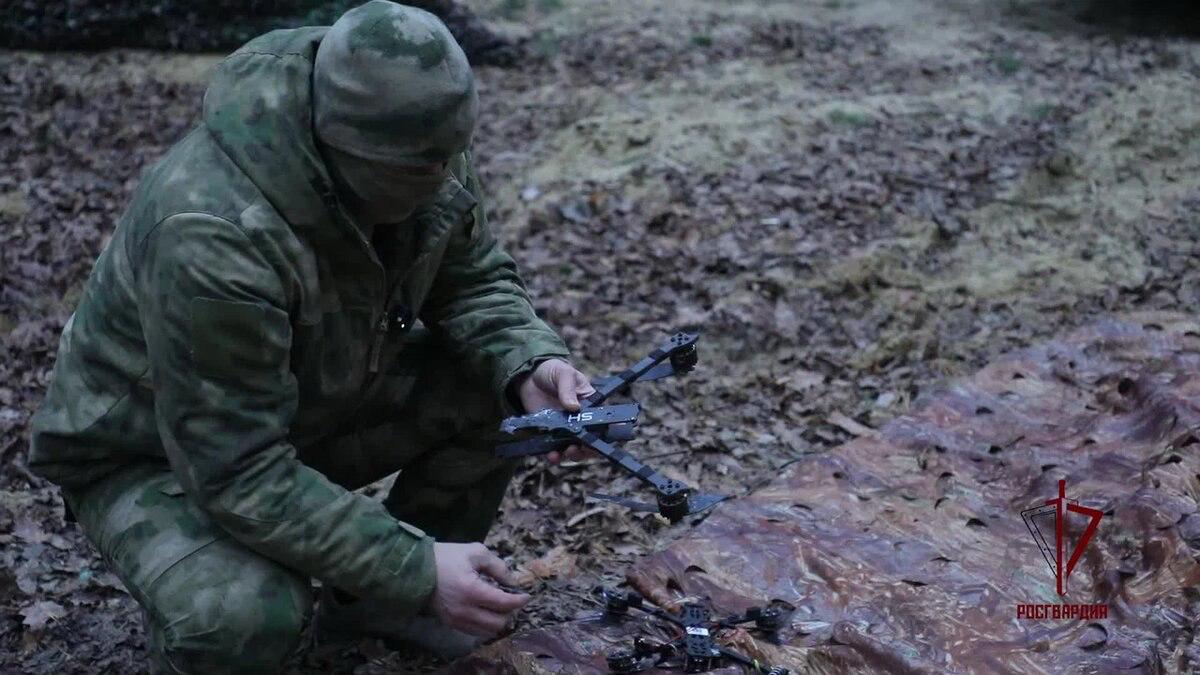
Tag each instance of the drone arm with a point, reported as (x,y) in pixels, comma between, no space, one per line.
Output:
(624,460)
(681,347)
(613,383)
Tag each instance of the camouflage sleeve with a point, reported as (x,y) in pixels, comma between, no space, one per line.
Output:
(219,336)
(480,303)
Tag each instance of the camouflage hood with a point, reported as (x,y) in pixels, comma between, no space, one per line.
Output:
(259,111)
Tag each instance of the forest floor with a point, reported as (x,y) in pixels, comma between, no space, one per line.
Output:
(855,200)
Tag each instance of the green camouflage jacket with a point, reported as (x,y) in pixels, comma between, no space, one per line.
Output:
(239,313)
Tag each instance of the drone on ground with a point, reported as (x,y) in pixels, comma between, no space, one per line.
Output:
(695,650)
(599,427)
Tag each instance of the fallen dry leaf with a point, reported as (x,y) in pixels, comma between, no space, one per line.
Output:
(556,563)
(800,380)
(39,613)
(30,531)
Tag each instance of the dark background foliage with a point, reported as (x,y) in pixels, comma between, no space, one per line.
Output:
(214,25)
(159,24)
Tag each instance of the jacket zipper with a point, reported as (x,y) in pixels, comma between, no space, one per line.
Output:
(381,328)
(381,331)
(385,321)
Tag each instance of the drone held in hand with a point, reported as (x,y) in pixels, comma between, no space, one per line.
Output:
(695,650)
(601,426)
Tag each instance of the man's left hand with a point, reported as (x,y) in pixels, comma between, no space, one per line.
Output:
(555,384)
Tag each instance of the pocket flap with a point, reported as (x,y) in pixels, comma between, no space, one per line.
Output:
(238,340)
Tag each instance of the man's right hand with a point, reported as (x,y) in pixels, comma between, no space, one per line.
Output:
(463,599)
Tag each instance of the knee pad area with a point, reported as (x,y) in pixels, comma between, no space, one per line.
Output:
(246,620)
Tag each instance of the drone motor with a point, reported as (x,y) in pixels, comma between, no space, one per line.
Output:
(622,661)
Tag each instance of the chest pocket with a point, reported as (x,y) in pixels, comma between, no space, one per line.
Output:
(329,357)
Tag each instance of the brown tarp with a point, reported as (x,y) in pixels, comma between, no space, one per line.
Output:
(905,550)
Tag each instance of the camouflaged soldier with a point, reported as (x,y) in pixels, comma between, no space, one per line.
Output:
(303,297)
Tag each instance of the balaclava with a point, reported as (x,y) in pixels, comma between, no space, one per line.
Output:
(392,90)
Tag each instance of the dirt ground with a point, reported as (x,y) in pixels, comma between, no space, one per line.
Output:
(854,200)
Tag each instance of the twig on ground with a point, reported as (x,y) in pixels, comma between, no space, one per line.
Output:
(575,519)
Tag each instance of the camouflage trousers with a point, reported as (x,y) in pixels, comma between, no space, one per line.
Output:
(214,605)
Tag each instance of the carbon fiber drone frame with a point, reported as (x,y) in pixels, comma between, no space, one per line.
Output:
(696,650)
(599,427)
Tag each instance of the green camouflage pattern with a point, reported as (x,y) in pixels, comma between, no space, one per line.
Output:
(213,604)
(210,604)
(438,426)
(238,320)
(392,85)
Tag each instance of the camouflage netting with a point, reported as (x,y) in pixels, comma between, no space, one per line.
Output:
(219,25)
(905,551)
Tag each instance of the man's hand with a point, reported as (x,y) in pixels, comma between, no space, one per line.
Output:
(554,384)
(462,599)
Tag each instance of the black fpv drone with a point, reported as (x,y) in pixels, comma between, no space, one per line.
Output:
(695,650)
(599,427)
